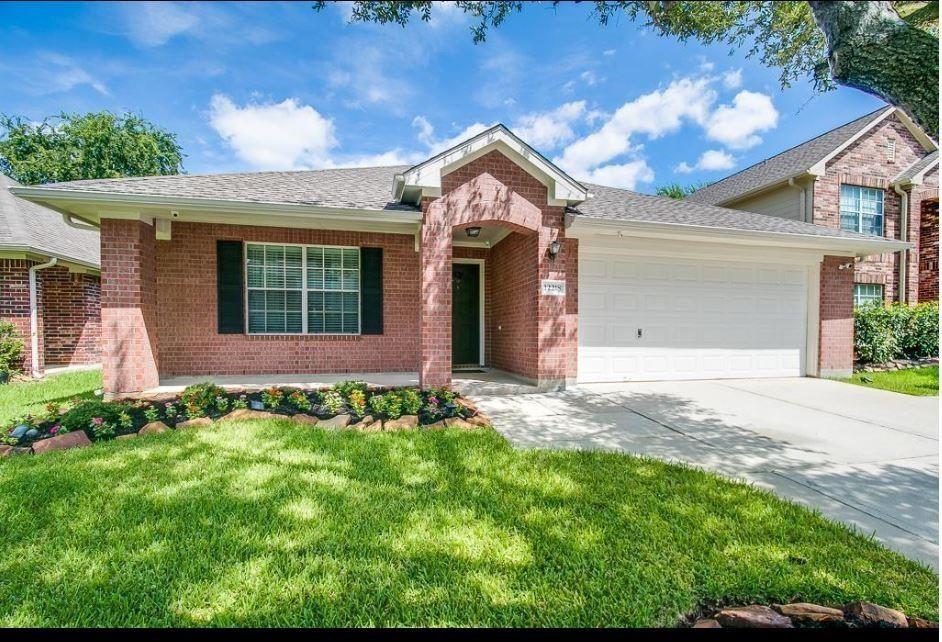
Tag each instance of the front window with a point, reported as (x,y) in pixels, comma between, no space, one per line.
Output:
(296,289)
(862,209)
(867,293)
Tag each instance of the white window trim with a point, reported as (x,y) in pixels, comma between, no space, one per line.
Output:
(881,299)
(859,229)
(304,291)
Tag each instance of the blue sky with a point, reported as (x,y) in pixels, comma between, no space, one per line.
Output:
(277,86)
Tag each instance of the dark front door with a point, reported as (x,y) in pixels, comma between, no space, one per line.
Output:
(465,314)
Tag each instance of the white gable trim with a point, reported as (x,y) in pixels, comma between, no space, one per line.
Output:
(818,169)
(425,179)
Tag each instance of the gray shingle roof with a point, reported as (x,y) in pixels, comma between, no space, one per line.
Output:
(25,225)
(610,203)
(368,188)
(782,166)
(917,167)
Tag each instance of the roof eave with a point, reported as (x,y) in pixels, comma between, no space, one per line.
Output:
(32,249)
(837,244)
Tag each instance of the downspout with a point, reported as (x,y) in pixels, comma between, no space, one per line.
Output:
(34,314)
(903,234)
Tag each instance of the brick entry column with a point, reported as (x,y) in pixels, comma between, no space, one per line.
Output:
(435,320)
(128,306)
(836,337)
(554,335)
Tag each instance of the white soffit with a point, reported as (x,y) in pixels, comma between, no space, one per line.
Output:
(425,179)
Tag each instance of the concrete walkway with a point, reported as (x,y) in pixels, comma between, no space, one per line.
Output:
(866,457)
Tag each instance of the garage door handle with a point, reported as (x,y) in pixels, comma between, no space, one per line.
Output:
(640,332)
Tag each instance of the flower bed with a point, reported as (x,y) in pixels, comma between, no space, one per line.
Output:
(347,404)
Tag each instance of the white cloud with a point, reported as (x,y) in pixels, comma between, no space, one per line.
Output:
(547,130)
(285,135)
(608,52)
(426,135)
(626,175)
(705,65)
(733,79)
(589,78)
(712,160)
(654,114)
(736,125)
(61,73)
(151,24)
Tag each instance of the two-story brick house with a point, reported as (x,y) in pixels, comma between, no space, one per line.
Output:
(878,174)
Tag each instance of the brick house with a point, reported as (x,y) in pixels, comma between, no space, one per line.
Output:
(878,174)
(484,256)
(49,284)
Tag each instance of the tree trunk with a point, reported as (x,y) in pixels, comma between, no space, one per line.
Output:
(872,49)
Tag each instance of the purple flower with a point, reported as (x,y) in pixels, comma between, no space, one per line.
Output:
(97,421)
(54,429)
(433,400)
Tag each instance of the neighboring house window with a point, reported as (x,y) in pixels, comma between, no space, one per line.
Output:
(294,289)
(862,209)
(865,293)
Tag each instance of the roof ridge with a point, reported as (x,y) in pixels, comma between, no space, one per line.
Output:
(796,146)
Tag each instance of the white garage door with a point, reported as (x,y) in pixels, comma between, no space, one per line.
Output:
(644,318)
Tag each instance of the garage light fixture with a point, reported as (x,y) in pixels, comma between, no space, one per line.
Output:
(553,249)
(473,232)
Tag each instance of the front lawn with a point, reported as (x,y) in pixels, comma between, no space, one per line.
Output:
(30,397)
(269,523)
(923,382)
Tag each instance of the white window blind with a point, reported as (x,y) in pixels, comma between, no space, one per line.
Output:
(862,209)
(296,289)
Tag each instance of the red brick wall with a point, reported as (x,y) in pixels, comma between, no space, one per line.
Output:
(71,317)
(836,347)
(14,302)
(130,355)
(571,249)
(69,313)
(514,345)
(865,163)
(186,298)
(929,251)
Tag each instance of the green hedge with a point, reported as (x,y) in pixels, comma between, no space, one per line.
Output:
(883,333)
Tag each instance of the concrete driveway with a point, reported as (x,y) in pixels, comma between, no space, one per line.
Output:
(866,457)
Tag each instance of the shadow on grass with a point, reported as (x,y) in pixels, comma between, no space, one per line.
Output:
(269,524)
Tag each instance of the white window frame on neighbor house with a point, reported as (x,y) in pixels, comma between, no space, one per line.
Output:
(857,210)
(875,295)
(304,289)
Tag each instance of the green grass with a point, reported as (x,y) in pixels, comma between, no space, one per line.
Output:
(21,398)
(923,382)
(272,524)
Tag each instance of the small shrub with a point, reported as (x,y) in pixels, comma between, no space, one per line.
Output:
(200,398)
(80,417)
(883,333)
(356,400)
(299,400)
(222,403)
(151,414)
(346,387)
(240,403)
(11,348)
(272,397)
(170,411)
(395,403)
(333,402)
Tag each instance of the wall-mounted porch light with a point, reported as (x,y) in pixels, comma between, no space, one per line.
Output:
(473,232)
(553,249)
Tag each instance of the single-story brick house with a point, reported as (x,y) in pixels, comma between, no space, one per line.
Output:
(484,254)
(49,283)
(877,174)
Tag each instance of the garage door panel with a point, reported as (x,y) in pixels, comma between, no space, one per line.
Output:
(700,319)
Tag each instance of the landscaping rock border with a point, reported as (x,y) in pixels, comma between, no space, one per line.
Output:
(860,614)
(896,364)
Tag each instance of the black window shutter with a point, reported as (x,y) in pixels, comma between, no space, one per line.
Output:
(371,290)
(229,288)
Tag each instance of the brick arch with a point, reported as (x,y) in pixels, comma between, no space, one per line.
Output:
(485,199)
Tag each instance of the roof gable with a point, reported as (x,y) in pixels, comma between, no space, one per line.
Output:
(425,179)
